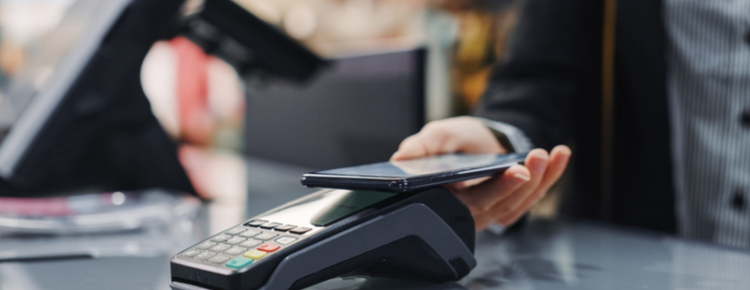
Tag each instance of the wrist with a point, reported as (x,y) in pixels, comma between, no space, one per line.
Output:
(509,137)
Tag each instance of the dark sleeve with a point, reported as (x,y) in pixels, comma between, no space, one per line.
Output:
(551,59)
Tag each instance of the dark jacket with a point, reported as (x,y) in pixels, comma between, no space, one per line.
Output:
(549,85)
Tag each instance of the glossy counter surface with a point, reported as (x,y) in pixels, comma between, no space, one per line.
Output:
(544,254)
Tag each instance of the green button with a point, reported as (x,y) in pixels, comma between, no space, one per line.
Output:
(239,262)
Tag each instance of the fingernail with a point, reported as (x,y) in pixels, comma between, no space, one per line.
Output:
(518,179)
(522,176)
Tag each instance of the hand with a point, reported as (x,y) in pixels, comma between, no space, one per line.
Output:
(504,198)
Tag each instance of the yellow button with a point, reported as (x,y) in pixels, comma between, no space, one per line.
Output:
(255,254)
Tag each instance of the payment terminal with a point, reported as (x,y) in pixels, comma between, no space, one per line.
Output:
(426,235)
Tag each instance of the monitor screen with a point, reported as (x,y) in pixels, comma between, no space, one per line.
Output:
(356,111)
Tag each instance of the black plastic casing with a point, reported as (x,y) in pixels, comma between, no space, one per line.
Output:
(407,258)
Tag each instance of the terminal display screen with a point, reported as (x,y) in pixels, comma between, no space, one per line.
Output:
(346,205)
(326,207)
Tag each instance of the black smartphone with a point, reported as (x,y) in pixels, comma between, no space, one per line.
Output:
(413,174)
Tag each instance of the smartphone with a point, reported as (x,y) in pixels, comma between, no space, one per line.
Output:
(413,174)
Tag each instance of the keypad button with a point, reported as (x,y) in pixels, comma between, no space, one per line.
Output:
(239,262)
(255,223)
(204,256)
(235,240)
(190,253)
(255,254)
(220,248)
(250,243)
(268,247)
(235,230)
(285,228)
(285,240)
(265,236)
(218,259)
(270,225)
(220,238)
(249,233)
(205,245)
(300,230)
(234,251)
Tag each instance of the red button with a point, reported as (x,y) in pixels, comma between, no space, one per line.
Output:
(268,247)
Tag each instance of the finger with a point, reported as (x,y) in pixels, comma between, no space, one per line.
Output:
(461,185)
(459,134)
(559,157)
(536,162)
(470,196)
(481,221)
(483,196)
(500,209)
(453,187)
(409,148)
(510,217)
(483,218)
(513,216)
(558,161)
(425,143)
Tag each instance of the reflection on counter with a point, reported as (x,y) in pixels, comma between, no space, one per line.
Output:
(219,176)
(148,223)
(544,254)
(549,254)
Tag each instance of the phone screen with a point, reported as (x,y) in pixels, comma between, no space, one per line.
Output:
(425,166)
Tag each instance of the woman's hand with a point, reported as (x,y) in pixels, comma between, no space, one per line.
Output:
(504,198)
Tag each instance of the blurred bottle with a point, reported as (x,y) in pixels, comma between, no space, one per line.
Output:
(484,26)
(199,101)
(198,98)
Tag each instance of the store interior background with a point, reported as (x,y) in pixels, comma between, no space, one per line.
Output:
(202,103)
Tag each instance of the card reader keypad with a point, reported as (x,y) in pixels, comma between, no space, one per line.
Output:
(251,243)
(249,233)
(220,248)
(205,245)
(235,251)
(270,225)
(240,246)
(235,240)
(266,236)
